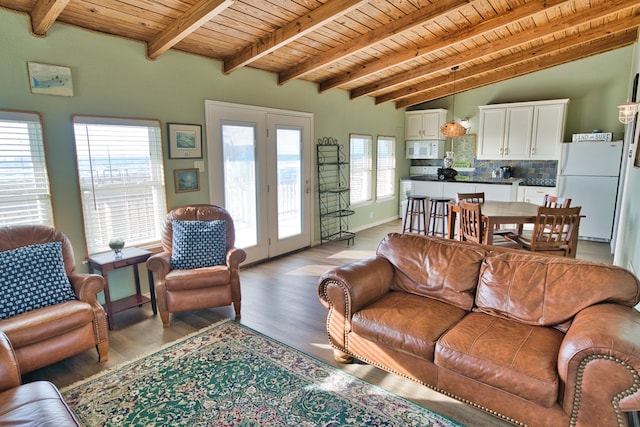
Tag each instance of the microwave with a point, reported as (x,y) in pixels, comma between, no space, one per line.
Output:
(425,149)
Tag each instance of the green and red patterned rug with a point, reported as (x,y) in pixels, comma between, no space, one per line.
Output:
(230,375)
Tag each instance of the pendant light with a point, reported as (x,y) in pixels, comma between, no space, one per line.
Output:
(452,128)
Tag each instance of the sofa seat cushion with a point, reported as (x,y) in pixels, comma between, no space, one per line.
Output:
(47,322)
(37,403)
(406,322)
(518,358)
(180,280)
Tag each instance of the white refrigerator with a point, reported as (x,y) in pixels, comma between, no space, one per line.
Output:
(589,174)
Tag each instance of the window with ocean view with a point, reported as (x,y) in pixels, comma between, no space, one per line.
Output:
(25,197)
(121,177)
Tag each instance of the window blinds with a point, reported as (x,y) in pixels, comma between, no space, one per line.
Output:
(386,167)
(360,168)
(121,177)
(25,197)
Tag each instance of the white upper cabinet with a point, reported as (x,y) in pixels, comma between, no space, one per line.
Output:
(424,124)
(522,131)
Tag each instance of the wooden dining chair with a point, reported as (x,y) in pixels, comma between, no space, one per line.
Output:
(480,198)
(470,197)
(471,223)
(555,201)
(553,232)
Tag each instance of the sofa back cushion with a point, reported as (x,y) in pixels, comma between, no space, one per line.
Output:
(549,290)
(442,269)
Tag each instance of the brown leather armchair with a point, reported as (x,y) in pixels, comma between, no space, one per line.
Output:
(49,334)
(36,403)
(205,287)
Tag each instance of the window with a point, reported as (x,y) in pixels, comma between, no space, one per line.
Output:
(360,168)
(386,167)
(25,197)
(121,180)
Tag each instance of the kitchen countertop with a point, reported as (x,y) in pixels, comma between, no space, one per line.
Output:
(478,179)
(468,179)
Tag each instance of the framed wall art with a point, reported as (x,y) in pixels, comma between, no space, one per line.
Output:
(185,141)
(49,79)
(186,180)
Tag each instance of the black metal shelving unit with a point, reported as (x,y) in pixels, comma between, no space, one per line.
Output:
(333,191)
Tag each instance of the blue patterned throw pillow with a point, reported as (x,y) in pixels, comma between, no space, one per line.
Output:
(198,244)
(33,277)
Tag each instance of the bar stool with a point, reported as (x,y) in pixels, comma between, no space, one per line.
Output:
(416,210)
(438,211)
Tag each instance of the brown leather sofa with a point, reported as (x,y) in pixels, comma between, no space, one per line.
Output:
(37,403)
(49,334)
(533,339)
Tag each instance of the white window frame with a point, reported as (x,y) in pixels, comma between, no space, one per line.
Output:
(360,169)
(385,167)
(121,180)
(25,195)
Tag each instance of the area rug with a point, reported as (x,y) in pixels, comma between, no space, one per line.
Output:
(230,375)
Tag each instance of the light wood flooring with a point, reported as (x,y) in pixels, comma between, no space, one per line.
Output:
(279,300)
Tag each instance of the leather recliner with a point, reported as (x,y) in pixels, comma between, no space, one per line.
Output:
(47,335)
(192,289)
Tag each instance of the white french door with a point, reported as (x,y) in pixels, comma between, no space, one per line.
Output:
(259,170)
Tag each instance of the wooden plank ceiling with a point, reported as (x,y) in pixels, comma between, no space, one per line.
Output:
(399,51)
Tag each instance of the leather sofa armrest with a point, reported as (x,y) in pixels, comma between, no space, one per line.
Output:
(346,289)
(599,361)
(9,370)
(87,286)
(160,263)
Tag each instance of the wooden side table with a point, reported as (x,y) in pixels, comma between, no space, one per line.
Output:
(130,257)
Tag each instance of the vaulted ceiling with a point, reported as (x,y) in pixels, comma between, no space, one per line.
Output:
(400,51)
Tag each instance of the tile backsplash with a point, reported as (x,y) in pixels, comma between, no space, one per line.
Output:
(535,172)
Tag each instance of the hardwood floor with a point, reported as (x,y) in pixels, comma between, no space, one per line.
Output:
(279,300)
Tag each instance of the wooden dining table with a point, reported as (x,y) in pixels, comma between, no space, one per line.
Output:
(496,213)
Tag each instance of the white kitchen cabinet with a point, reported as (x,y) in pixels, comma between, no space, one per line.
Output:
(451,189)
(548,131)
(522,131)
(424,124)
(496,192)
(535,194)
(428,188)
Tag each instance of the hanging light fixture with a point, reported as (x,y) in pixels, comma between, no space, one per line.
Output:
(627,111)
(452,128)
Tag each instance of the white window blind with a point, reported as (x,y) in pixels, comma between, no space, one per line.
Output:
(360,168)
(25,197)
(386,167)
(121,178)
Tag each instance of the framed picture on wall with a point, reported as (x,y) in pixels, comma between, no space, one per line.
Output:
(185,141)
(49,79)
(186,180)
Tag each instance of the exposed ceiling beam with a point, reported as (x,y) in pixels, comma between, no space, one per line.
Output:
(290,32)
(583,38)
(190,21)
(378,35)
(575,53)
(45,13)
(512,41)
(487,26)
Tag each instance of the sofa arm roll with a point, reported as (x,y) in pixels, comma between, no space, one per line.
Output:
(87,286)
(346,289)
(235,257)
(599,362)
(9,370)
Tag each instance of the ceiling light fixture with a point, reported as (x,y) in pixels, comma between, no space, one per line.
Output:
(627,111)
(452,128)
